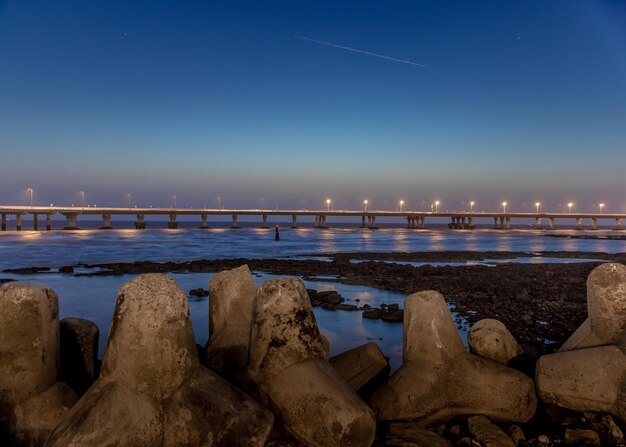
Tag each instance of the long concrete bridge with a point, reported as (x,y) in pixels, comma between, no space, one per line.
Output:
(414,219)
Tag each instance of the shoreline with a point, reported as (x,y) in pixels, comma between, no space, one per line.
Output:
(541,304)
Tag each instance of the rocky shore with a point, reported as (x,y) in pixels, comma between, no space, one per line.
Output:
(541,304)
(264,378)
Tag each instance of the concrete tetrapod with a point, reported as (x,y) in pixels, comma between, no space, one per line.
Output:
(288,363)
(588,373)
(32,399)
(152,390)
(606,304)
(232,294)
(439,379)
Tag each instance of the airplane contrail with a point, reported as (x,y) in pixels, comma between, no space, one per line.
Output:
(382,56)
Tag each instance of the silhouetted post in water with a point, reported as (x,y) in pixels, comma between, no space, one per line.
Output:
(276,236)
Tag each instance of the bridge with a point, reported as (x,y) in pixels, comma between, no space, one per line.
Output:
(414,219)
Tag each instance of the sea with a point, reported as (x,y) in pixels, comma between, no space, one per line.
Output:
(94,297)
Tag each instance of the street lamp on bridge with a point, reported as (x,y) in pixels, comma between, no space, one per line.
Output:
(570,205)
(471,206)
(365,205)
(328,204)
(30,191)
(401,205)
(436,206)
(503,207)
(601,206)
(537,205)
(82,198)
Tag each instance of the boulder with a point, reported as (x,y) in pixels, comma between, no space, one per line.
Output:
(230,321)
(451,380)
(491,339)
(79,353)
(581,436)
(487,433)
(289,366)
(152,389)
(411,435)
(32,398)
(361,365)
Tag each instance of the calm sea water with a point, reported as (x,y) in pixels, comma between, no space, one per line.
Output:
(94,298)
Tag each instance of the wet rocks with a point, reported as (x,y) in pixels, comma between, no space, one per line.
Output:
(453,381)
(579,436)
(199,292)
(491,339)
(152,389)
(287,351)
(32,398)
(412,435)
(589,371)
(230,321)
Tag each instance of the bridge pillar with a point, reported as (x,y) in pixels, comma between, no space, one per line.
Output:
(140,224)
(372,223)
(71,221)
(508,222)
(363,221)
(172,224)
(579,223)
(264,217)
(18,222)
(35,221)
(594,223)
(495,222)
(234,223)
(323,221)
(470,222)
(422,221)
(48,221)
(618,223)
(293,221)
(203,218)
(551,222)
(106,222)
(4,222)
(538,223)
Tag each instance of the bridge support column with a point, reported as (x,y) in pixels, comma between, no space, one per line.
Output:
(422,222)
(579,223)
(203,218)
(106,222)
(594,223)
(18,222)
(551,222)
(372,223)
(363,221)
(293,221)
(71,221)
(35,222)
(264,224)
(618,224)
(48,221)
(172,224)
(234,223)
(495,222)
(320,221)
(4,222)
(508,222)
(140,224)
(537,223)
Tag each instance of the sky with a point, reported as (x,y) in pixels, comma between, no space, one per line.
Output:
(288,103)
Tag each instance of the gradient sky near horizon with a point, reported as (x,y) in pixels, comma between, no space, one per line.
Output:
(518,101)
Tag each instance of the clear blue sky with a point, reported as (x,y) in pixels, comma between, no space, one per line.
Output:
(519,101)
